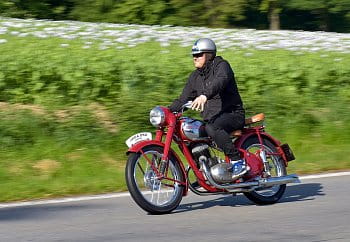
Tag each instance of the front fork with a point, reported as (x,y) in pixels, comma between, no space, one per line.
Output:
(164,163)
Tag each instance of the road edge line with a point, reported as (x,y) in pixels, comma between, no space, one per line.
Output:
(127,194)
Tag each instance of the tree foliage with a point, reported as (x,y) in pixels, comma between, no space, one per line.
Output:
(328,15)
(324,10)
(52,9)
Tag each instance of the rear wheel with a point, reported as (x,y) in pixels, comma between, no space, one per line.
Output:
(267,195)
(156,196)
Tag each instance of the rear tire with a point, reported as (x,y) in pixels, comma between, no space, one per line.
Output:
(151,194)
(272,194)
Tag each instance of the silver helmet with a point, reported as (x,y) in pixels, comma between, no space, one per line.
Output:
(203,45)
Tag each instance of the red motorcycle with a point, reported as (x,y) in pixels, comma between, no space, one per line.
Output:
(157,178)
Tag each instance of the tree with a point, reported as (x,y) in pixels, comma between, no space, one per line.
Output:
(91,10)
(139,11)
(10,8)
(184,13)
(50,9)
(120,11)
(222,12)
(323,9)
(273,10)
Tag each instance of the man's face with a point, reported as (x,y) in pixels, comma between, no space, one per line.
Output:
(199,60)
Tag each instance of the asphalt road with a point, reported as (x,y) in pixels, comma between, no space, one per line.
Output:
(315,210)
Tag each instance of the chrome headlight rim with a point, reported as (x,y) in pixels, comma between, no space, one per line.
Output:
(157,116)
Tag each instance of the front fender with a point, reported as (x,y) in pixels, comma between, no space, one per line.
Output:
(139,146)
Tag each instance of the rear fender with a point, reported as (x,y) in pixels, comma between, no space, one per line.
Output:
(139,146)
(239,142)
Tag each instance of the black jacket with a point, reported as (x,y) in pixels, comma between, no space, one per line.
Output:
(217,82)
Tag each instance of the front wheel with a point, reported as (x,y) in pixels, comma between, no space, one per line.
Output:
(156,196)
(267,195)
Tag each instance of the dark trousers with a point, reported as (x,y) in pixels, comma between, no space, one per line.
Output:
(220,128)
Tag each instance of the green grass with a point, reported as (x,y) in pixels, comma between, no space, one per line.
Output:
(61,173)
(47,158)
(55,144)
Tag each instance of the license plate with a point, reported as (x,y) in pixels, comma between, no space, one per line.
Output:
(136,138)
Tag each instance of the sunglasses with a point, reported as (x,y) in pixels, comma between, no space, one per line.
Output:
(198,55)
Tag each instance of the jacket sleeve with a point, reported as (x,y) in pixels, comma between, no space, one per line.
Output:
(188,94)
(222,76)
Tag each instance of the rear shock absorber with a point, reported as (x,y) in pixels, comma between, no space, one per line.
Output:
(262,154)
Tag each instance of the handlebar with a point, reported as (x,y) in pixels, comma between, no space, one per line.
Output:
(186,105)
(183,107)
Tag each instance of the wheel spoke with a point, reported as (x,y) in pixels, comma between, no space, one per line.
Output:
(142,171)
(157,191)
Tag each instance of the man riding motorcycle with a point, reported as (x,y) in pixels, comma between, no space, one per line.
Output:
(212,88)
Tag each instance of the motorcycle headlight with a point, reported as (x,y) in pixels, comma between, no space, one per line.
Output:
(157,117)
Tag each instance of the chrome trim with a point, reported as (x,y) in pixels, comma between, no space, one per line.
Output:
(272,181)
(231,186)
(265,182)
(191,128)
(157,112)
(265,162)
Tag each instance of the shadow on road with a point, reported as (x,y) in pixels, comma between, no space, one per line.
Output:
(221,201)
(302,192)
(295,193)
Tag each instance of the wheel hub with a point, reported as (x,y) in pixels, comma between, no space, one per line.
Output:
(151,181)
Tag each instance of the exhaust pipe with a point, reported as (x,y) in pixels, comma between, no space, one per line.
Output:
(267,182)
(264,182)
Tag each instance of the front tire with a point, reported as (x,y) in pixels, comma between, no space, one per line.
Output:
(272,194)
(151,194)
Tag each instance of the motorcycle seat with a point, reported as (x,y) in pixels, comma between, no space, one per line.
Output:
(254,119)
(248,121)
(237,132)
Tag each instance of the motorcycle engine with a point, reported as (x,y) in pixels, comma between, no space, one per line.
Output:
(202,150)
(220,170)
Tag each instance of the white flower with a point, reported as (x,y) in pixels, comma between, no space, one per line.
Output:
(164,44)
(23,35)
(103,47)
(3,30)
(3,41)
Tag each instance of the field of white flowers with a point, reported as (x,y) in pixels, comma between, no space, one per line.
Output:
(121,36)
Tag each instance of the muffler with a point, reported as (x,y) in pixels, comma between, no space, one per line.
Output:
(272,181)
(263,182)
